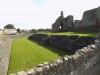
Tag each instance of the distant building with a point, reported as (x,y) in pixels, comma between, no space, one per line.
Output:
(10,31)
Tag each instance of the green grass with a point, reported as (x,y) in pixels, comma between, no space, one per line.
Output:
(26,54)
(87,34)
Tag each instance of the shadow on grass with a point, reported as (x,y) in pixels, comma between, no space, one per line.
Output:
(53,49)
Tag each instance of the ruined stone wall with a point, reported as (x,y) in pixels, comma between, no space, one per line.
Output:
(20,35)
(90,17)
(38,37)
(77,23)
(5,47)
(70,43)
(66,43)
(43,39)
(70,21)
(76,64)
(90,22)
(57,25)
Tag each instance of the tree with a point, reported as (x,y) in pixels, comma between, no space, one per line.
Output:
(40,30)
(32,31)
(24,31)
(9,26)
(18,30)
(44,30)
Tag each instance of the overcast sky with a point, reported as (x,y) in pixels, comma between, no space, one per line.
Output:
(34,14)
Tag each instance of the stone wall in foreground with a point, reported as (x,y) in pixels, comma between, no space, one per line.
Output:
(76,64)
(5,48)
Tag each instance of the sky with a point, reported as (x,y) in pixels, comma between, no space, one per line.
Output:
(36,14)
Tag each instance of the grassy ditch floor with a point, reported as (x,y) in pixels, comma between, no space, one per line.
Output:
(26,54)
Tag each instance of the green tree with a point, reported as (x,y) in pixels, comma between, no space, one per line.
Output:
(18,30)
(9,26)
(32,31)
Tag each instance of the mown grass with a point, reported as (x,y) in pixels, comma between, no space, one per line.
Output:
(26,54)
(87,34)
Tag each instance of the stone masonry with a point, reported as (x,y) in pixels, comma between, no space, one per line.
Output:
(5,47)
(20,36)
(97,41)
(90,22)
(63,42)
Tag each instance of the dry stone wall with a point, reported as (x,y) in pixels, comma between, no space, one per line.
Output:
(20,35)
(5,47)
(70,43)
(76,64)
(66,43)
(43,39)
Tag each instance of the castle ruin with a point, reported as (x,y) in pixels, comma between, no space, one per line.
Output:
(89,22)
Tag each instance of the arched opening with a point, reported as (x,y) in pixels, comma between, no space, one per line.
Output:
(61,26)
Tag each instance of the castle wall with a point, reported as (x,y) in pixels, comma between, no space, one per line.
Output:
(90,22)
(63,42)
(70,21)
(5,48)
(56,26)
(70,43)
(20,35)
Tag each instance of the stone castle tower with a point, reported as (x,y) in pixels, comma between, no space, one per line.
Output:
(62,24)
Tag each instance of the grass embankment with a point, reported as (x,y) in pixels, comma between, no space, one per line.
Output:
(87,34)
(26,54)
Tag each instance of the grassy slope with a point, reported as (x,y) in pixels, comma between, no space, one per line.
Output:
(88,34)
(26,54)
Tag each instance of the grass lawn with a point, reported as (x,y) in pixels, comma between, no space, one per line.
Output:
(26,54)
(88,34)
